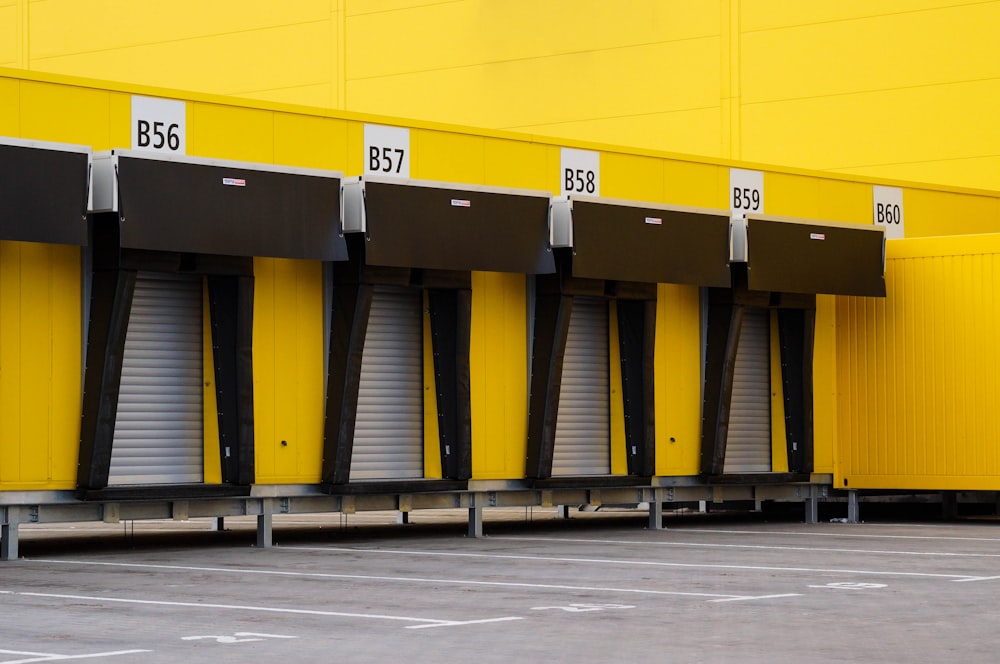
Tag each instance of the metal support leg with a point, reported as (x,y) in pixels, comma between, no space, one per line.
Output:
(812,506)
(8,535)
(949,505)
(562,511)
(265,526)
(402,518)
(476,515)
(852,507)
(218,524)
(656,511)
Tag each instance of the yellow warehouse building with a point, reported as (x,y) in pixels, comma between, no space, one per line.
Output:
(555,355)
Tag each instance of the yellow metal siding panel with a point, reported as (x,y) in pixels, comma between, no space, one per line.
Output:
(9,35)
(498,363)
(56,24)
(631,177)
(310,142)
(65,114)
(447,156)
(432,430)
(229,132)
(677,386)
(917,375)
(696,185)
(543,86)
(821,59)
(10,106)
(930,213)
(211,453)
(686,131)
(779,444)
(824,385)
(616,409)
(520,165)
(40,365)
(288,370)
(472,32)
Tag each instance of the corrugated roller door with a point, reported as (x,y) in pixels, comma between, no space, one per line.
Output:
(582,442)
(748,447)
(389,433)
(159,427)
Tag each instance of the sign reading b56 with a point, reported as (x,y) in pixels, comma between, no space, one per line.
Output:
(159,125)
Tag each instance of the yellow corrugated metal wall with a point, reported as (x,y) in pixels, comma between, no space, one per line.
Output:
(826,85)
(919,372)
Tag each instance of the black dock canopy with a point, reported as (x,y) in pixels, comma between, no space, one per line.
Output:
(44,191)
(185,204)
(794,256)
(438,226)
(642,242)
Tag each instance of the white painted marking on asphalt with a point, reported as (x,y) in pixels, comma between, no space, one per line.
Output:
(754,597)
(48,657)
(644,563)
(819,534)
(978,578)
(459,623)
(237,607)
(406,579)
(763,547)
(847,585)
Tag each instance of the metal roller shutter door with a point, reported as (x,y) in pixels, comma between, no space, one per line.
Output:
(582,441)
(389,433)
(748,447)
(159,426)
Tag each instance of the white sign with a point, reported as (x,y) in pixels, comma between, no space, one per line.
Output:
(746,192)
(387,151)
(887,210)
(159,125)
(580,172)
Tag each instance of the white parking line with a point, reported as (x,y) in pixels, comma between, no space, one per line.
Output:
(263,609)
(819,534)
(763,547)
(405,579)
(50,657)
(649,563)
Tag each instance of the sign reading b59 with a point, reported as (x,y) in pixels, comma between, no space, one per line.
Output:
(159,125)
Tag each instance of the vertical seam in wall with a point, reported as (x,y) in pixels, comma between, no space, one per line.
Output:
(735,72)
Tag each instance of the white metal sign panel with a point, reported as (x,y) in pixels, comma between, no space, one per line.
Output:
(159,125)
(387,151)
(887,211)
(746,192)
(580,172)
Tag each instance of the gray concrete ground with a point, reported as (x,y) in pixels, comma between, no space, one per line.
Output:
(597,587)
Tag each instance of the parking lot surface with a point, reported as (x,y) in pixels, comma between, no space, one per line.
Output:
(587,589)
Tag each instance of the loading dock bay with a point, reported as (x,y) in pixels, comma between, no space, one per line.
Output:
(591,588)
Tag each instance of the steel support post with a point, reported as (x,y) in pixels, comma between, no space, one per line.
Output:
(265,525)
(656,510)
(475,516)
(852,507)
(812,505)
(8,534)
